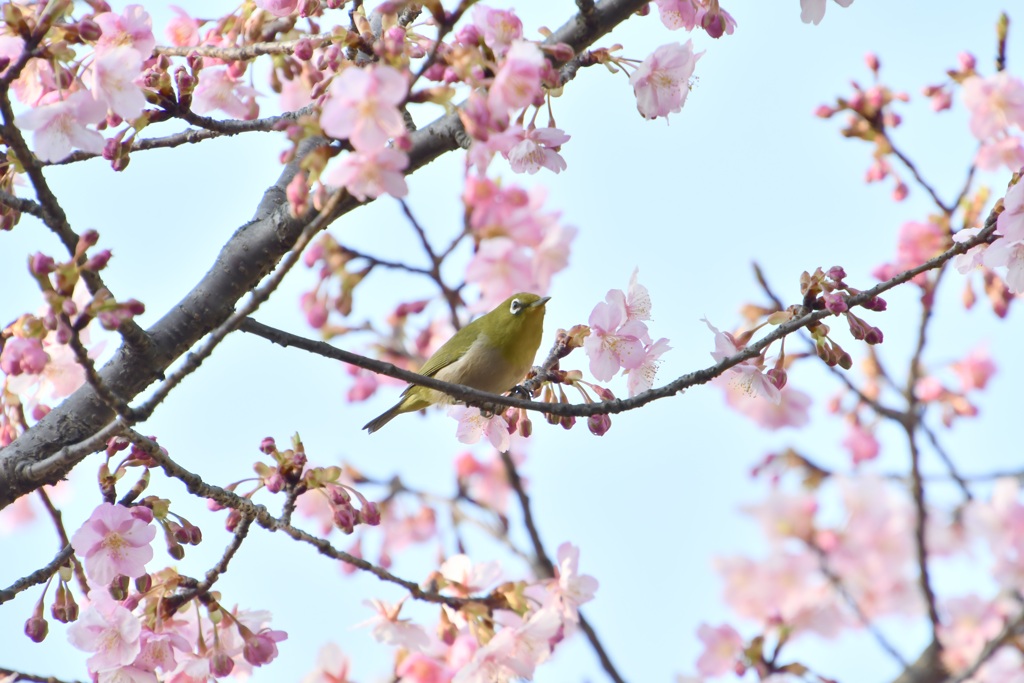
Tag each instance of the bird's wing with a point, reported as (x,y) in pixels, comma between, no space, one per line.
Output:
(451,351)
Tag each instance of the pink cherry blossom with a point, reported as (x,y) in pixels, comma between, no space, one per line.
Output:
(370,174)
(468,578)
(332,666)
(1008,254)
(813,11)
(499,28)
(22,354)
(972,258)
(473,425)
(860,443)
(362,106)
(182,30)
(108,630)
(261,646)
(114,542)
(388,628)
(517,83)
(641,378)
(615,341)
(677,14)
(500,268)
(133,29)
(662,81)
(790,411)
(420,668)
(1010,223)
(723,646)
(486,482)
(515,651)
(975,369)
(1000,522)
(784,515)
(279,8)
(916,243)
(60,126)
(112,79)
(1007,151)
(572,588)
(218,89)
(552,254)
(968,624)
(995,102)
(748,376)
(532,149)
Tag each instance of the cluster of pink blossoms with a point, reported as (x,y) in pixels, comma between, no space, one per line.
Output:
(872,553)
(520,246)
(1007,251)
(66,106)
(996,104)
(468,649)
(619,338)
(130,639)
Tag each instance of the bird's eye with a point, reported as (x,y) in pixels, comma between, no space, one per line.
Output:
(515,307)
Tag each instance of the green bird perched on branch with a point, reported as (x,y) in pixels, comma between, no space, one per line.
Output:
(491,354)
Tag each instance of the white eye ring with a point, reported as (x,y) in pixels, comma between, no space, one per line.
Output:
(515,307)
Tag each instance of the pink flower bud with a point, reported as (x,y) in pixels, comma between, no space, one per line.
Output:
(267,445)
(41,264)
(89,30)
(237,69)
(835,302)
(599,424)
(370,514)
(824,111)
(142,513)
(871,59)
(274,483)
(967,61)
(98,261)
(303,50)
(221,665)
(36,628)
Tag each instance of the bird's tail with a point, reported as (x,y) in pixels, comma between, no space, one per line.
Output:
(382,419)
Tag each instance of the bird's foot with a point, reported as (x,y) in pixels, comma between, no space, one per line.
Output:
(520,391)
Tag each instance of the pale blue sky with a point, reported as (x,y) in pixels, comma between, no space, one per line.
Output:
(745,172)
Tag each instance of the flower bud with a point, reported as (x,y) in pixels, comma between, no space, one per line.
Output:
(36,628)
(599,424)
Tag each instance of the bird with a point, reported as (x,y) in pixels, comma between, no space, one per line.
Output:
(492,353)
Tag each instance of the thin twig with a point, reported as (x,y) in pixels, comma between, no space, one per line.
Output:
(241,531)
(41,575)
(65,542)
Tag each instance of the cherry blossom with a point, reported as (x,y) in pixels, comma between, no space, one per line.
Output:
(813,11)
(370,174)
(218,89)
(182,30)
(723,646)
(499,28)
(473,425)
(111,77)
(388,628)
(468,578)
(114,541)
(108,630)
(615,340)
(572,588)
(662,81)
(61,126)
(133,28)
(532,149)
(517,83)
(363,106)
(332,666)
(279,8)
(860,443)
(748,376)
(792,410)
(995,103)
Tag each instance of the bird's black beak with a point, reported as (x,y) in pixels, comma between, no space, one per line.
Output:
(540,302)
